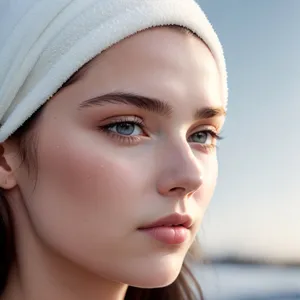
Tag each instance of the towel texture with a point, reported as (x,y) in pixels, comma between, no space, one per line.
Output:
(43,42)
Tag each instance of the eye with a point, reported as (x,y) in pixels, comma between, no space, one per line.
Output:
(205,137)
(125,128)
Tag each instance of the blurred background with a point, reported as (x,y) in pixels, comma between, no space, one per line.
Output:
(251,232)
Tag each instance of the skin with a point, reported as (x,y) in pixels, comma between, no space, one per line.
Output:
(77,225)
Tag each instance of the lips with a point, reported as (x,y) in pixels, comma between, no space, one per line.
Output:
(171,230)
(173,220)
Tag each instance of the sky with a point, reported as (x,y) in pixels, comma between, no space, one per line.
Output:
(256,207)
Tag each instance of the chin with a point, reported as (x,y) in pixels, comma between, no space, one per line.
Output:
(158,275)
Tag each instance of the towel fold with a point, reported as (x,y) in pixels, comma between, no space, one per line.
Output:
(43,42)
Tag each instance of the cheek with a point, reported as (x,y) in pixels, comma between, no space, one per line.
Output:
(83,192)
(210,175)
(203,195)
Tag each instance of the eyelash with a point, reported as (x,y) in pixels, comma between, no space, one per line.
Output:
(214,135)
(123,138)
(138,122)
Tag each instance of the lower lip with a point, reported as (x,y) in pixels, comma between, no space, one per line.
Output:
(168,235)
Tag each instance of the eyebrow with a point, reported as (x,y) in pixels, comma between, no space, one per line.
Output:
(149,104)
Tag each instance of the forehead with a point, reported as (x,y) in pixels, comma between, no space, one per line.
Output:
(160,62)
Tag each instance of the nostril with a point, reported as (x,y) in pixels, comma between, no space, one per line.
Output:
(177,189)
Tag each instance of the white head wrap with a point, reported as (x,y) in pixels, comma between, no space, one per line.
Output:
(43,42)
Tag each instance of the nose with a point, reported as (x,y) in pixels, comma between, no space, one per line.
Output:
(180,172)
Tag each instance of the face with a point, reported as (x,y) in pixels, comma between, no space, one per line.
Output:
(132,141)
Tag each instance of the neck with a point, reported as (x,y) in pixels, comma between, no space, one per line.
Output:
(39,278)
(41,273)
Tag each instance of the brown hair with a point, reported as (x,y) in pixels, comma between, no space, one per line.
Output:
(185,287)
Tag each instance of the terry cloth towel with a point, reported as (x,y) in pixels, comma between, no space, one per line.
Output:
(43,42)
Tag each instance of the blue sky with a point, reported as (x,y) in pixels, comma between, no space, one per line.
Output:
(256,207)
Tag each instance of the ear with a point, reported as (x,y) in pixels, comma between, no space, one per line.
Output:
(8,162)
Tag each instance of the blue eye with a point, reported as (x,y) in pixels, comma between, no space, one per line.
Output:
(205,137)
(125,128)
(200,137)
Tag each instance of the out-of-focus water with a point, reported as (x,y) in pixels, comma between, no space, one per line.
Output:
(247,282)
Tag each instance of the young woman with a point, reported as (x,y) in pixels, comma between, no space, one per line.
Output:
(110,114)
